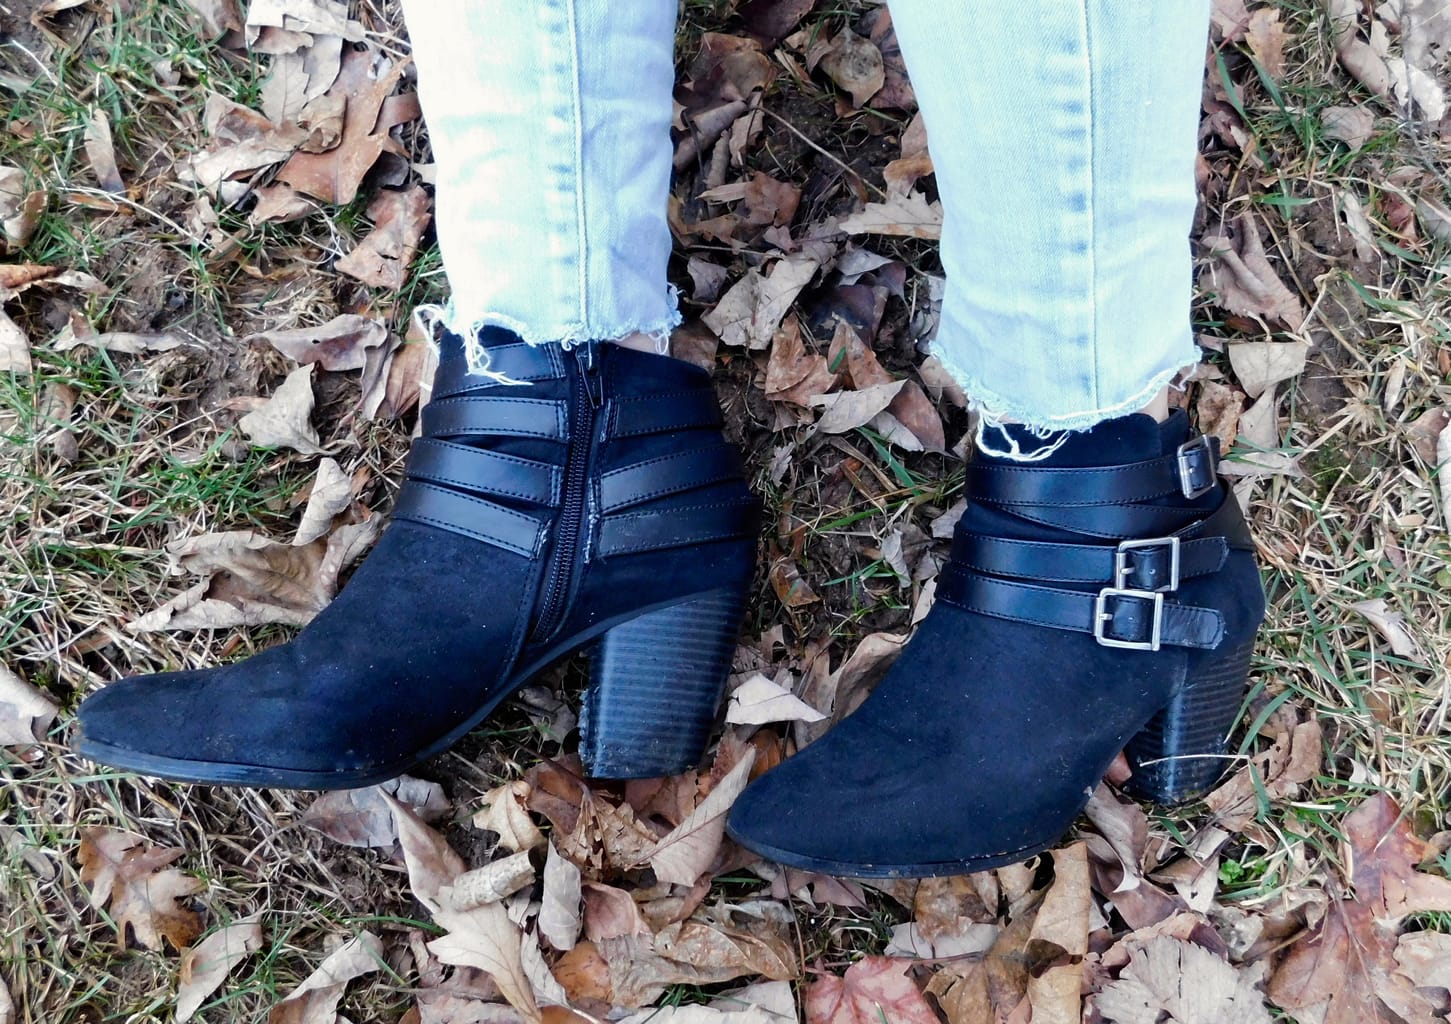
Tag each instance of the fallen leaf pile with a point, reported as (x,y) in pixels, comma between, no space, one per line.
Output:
(804,211)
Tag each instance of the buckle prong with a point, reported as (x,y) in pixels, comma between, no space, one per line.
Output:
(1102,616)
(1121,567)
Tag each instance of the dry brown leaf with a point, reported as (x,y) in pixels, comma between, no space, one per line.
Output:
(757,701)
(506,813)
(409,372)
(1242,280)
(792,374)
(7,1004)
(1170,981)
(766,201)
(25,712)
(1351,125)
(143,892)
(206,965)
(913,410)
(1230,19)
(1260,365)
(1391,625)
(1424,959)
(495,881)
(1345,971)
(874,989)
(910,215)
(749,314)
(340,344)
(331,494)
(20,209)
(315,1000)
(14,347)
(285,421)
(251,580)
(1292,760)
(728,941)
(559,912)
(1060,928)
(361,817)
(1217,412)
(774,19)
(790,586)
(101,152)
(846,410)
(399,219)
(334,176)
(691,847)
(611,913)
(128,342)
(855,64)
(482,937)
(1266,38)
(218,16)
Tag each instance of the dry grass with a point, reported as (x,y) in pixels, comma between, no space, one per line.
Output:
(81,541)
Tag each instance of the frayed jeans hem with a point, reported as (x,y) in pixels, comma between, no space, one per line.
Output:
(567,334)
(993,410)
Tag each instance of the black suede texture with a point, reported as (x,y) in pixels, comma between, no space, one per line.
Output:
(434,627)
(985,739)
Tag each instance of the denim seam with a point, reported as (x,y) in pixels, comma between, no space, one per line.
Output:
(1092,199)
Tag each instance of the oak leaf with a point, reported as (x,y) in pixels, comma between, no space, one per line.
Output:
(874,989)
(285,420)
(1171,981)
(1345,970)
(1241,278)
(143,892)
(399,219)
(909,215)
(505,812)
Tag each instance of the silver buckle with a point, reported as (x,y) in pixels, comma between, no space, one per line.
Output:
(1102,616)
(1185,458)
(1121,567)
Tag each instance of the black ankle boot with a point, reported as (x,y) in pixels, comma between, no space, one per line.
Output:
(1102,599)
(596,501)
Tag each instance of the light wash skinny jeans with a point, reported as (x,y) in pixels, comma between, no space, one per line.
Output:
(1063,133)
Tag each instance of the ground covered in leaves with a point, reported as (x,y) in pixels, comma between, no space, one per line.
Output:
(215,225)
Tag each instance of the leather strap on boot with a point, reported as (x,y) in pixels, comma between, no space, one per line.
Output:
(1139,552)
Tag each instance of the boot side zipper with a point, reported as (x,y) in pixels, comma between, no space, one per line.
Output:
(588,396)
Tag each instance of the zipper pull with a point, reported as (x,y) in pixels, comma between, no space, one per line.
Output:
(588,357)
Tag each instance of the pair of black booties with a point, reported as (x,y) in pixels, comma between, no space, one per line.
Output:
(1102,599)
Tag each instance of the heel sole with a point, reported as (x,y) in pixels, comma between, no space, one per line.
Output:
(655,687)
(1183,751)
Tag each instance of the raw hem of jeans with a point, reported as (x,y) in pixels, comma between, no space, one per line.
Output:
(994,410)
(567,334)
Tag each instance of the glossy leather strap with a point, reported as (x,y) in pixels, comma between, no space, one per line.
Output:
(1131,613)
(484,471)
(471,517)
(509,417)
(1006,484)
(665,475)
(630,532)
(1148,565)
(516,361)
(666,411)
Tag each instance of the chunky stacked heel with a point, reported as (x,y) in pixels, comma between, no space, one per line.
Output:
(655,685)
(1183,751)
